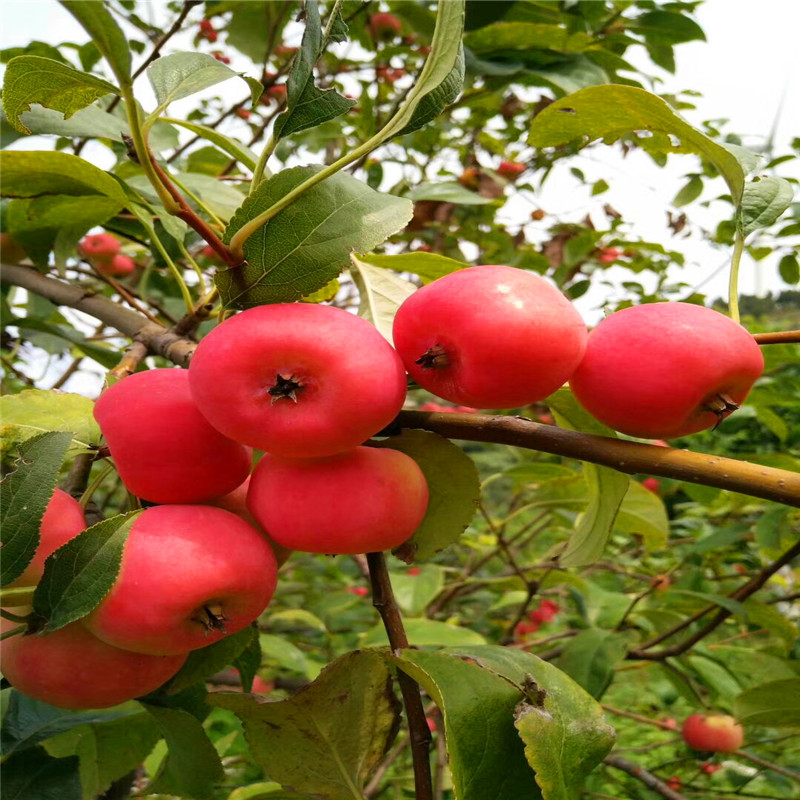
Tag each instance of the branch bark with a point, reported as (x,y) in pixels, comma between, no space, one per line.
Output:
(641,774)
(755,480)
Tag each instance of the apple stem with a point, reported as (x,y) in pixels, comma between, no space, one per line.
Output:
(13,632)
(419,734)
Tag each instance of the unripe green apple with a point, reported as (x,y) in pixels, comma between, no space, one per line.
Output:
(362,501)
(717,733)
(163,447)
(297,380)
(664,370)
(190,575)
(489,337)
(63,519)
(72,669)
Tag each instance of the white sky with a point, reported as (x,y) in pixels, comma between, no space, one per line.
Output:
(745,72)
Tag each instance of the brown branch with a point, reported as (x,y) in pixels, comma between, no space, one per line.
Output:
(742,593)
(777,337)
(764,764)
(641,774)
(420,736)
(755,480)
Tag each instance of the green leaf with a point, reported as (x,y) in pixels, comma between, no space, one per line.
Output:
(32,79)
(486,756)
(280,651)
(248,23)
(309,243)
(308,106)
(106,35)
(448,192)
(180,75)
(590,658)
(192,766)
(380,294)
(214,658)
(326,740)
(734,606)
(222,198)
(609,112)
(34,411)
(34,775)
(90,123)
(503,37)
(428,266)
(689,192)
(27,722)
(789,269)
(26,493)
(107,750)
(433,103)
(767,616)
(426,633)
(642,513)
(775,704)
(80,573)
(569,76)
(714,675)
(538,472)
(235,149)
(607,487)
(248,662)
(102,355)
(667,27)
(414,592)
(764,200)
(453,486)
(30,174)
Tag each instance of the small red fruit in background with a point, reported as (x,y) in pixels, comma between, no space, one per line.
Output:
(284,50)
(102,246)
(469,337)
(674,783)
(206,25)
(383,27)
(413,571)
(431,724)
(660,582)
(70,668)
(651,484)
(242,113)
(709,768)
(359,591)
(470,179)
(546,612)
(298,380)
(716,733)
(260,686)
(365,500)
(118,266)
(10,250)
(190,576)
(666,369)
(510,170)
(163,447)
(608,255)
(220,56)
(276,92)
(63,520)
(669,722)
(537,214)
(547,419)
(389,74)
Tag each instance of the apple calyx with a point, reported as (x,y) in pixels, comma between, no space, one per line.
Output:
(722,405)
(434,358)
(212,619)
(284,387)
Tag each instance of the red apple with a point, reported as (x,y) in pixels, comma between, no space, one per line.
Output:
(666,369)
(365,500)
(163,447)
(118,265)
(510,170)
(72,669)
(716,733)
(489,337)
(190,575)
(297,379)
(63,519)
(242,113)
(236,503)
(99,245)
(383,26)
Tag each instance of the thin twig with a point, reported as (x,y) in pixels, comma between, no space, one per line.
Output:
(641,774)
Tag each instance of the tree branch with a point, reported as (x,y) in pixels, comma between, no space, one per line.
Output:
(419,734)
(641,774)
(755,480)
(777,337)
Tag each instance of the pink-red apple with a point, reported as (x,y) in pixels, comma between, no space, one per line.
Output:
(510,170)
(663,370)
(63,519)
(298,380)
(73,669)
(383,26)
(365,500)
(190,575)
(163,447)
(489,337)
(236,503)
(716,733)
(101,246)
(118,266)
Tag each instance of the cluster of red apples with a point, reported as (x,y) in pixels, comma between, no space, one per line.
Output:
(102,251)
(309,385)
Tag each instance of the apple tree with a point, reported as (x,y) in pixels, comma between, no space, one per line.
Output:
(341,459)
